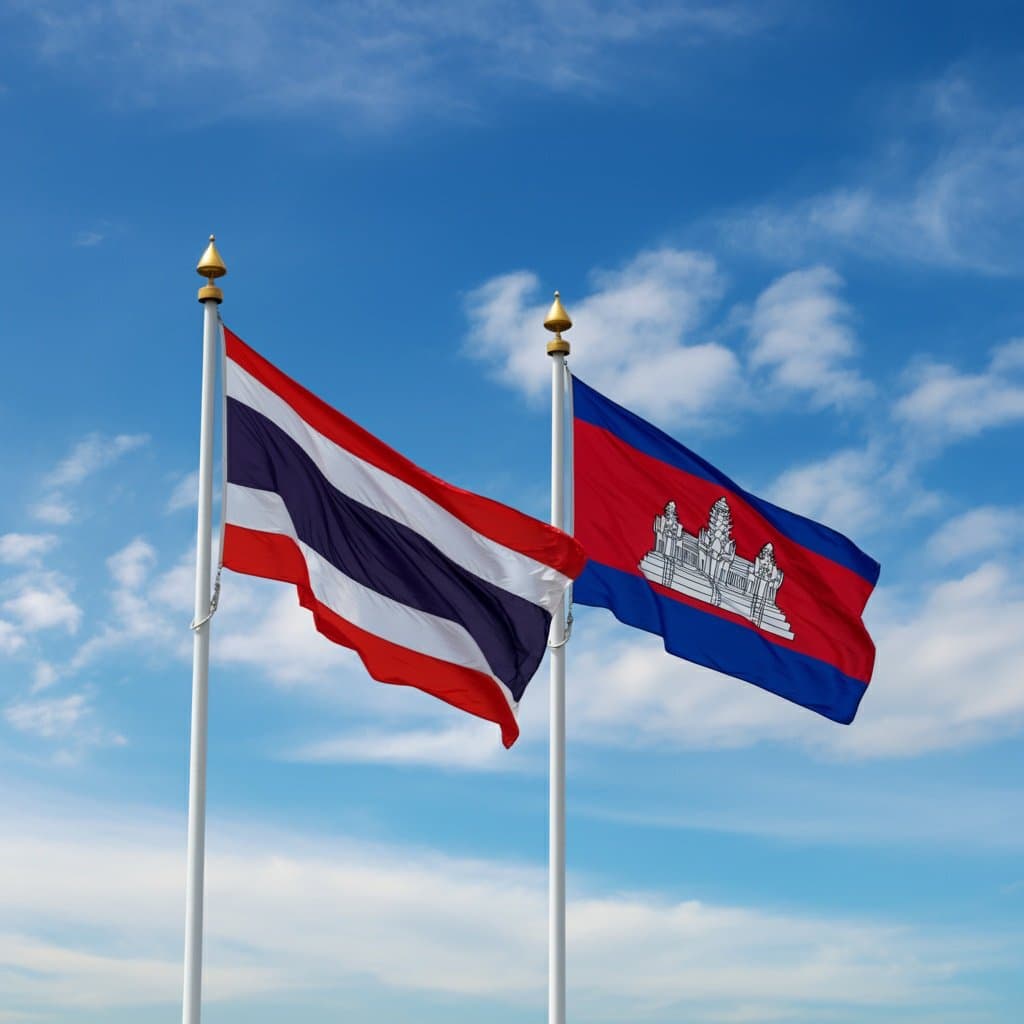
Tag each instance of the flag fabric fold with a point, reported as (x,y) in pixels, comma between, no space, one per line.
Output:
(730,581)
(434,587)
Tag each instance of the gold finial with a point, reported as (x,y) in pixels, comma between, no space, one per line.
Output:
(211,266)
(557,321)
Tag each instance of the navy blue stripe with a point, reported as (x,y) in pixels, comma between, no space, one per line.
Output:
(382,554)
(594,408)
(721,645)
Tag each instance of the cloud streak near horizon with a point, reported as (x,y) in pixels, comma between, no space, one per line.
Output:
(382,63)
(431,923)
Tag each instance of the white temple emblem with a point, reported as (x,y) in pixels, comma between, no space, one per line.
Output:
(705,566)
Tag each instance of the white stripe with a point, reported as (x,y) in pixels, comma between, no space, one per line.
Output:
(382,616)
(509,569)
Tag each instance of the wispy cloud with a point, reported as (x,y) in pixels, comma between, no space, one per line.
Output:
(944,403)
(43,601)
(54,510)
(472,745)
(44,677)
(25,548)
(68,724)
(138,613)
(841,489)
(378,63)
(48,719)
(439,926)
(832,809)
(854,490)
(185,492)
(946,189)
(90,455)
(130,566)
(87,239)
(11,638)
(801,335)
(977,533)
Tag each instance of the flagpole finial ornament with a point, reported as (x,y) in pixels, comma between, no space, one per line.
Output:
(211,266)
(557,321)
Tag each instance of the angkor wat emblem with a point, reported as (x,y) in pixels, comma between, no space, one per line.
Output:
(705,566)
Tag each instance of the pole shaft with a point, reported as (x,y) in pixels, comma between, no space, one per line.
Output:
(191,1001)
(556,749)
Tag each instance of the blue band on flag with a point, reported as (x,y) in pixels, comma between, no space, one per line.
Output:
(594,408)
(382,554)
(720,644)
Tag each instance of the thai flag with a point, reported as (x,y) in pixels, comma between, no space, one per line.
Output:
(434,587)
(730,581)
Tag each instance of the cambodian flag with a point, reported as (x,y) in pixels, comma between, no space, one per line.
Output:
(433,586)
(729,580)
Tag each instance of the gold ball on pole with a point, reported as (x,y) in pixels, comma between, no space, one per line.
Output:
(557,321)
(211,266)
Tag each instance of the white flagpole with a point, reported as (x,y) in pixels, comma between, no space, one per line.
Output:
(557,321)
(211,266)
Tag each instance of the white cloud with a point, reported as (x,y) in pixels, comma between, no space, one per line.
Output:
(10,638)
(946,189)
(71,722)
(948,672)
(42,601)
(841,490)
(44,677)
(855,490)
(945,404)
(25,548)
(130,566)
(87,456)
(833,807)
(1009,357)
(801,335)
(48,719)
(138,611)
(87,239)
(981,531)
(659,300)
(473,745)
(377,64)
(344,911)
(185,492)
(54,510)
(90,455)
(87,981)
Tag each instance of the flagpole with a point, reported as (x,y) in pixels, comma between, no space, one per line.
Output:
(557,321)
(211,266)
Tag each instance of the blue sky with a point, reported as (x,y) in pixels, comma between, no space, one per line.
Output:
(790,234)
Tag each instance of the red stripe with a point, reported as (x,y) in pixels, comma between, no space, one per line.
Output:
(618,492)
(276,557)
(494,520)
